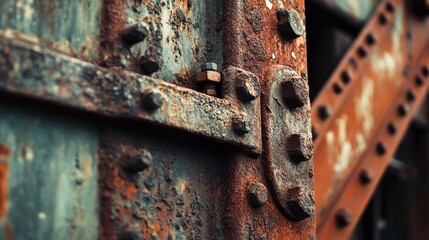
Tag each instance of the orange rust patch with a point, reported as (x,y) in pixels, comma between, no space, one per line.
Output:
(4,171)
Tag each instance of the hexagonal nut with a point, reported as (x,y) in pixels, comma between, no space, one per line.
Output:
(248,88)
(295,92)
(299,147)
(208,76)
(290,24)
(209,66)
(257,195)
(300,203)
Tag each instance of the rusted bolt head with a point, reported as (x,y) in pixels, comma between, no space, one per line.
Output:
(425,71)
(257,195)
(343,218)
(382,18)
(152,99)
(240,125)
(390,7)
(411,97)
(391,128)
(380,149)
(248,88)
(134,33)
(299,147)
(365,177)
(208,76)
(402,110)
(295,92)
(324,112)
(345,77)
(208,66)
(149,64)
(419,81)
(290,24)
(300,203)
(362,52)
(337,88)
(370,39)
(137,163)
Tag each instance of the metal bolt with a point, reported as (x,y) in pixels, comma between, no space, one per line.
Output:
(390,7)
(370,39)
(240,125)
(300,203)
(248,88)
(382,18)
(299,147)
(343,218)
(391,128)
(324,112)
(419,81)
(257,195)
(149,64)
(365,177)
(345,77)
(337,88)
(362,52)
(290,24)
(137,163)
(380,148)
(208,79)
(425,71)
(134,33)
(152,99)
(411,97)
(402,110)
(295,92)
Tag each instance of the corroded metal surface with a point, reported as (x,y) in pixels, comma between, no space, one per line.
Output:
(354,107)
(120,94)
(48,187)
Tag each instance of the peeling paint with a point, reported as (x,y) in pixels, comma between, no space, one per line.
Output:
(363,106)
(269,4)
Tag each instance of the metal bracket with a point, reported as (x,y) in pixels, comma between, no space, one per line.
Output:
(37,72)
(288,145)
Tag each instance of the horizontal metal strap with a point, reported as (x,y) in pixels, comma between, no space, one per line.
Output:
(34,71)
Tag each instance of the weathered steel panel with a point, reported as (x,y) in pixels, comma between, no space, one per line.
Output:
(70,26)
(52,176)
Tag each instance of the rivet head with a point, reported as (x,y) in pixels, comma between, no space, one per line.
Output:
(137,162)
(299,147)
(240,125)
(324,112)
(425,71)
(362,52)
(257,195)
(314,133)
(419,81)
(343,218)
(134,33)
(290,24)
(345,77)
(390,7)
(411,97)
(152,99)
(391,129)
(295,92)
(149,64)
(365,177)
(300,203)
(402,110)
(370,39)
(337,88)
(380,149)
(248,88)
(382,18)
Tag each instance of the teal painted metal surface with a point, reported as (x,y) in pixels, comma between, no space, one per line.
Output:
(71,26)
(52,177)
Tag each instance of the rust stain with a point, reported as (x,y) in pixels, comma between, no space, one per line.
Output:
(5,155)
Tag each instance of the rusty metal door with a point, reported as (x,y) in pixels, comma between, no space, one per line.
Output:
(109,129)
